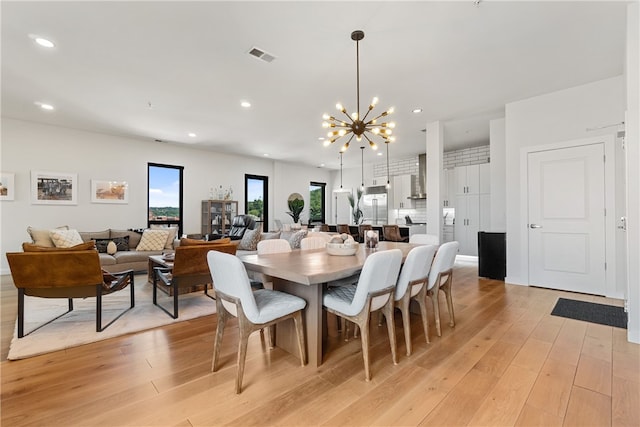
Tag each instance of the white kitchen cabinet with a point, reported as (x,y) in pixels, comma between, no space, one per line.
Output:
(380,180)
(467,223)
(473,210)
(473,179)
(402,192)
(448,188)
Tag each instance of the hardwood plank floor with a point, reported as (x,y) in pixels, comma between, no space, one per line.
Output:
(506,362)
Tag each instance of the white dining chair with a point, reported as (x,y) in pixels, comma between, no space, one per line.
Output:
(440,279)
(373,292)
(273,246)
(424,239)
(412,285)
(255,310)
(313,242)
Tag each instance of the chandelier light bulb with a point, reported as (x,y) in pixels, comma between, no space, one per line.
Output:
(354,115)
(358,138)
(325,116)
(325,124)
(326,142)
(392,125)
(375,131)
(339,107)
(373,145)
(391,110)
(342,132)
(374,101)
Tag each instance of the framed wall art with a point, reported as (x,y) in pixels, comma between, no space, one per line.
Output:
(109,191)
(7,186)
(54,188)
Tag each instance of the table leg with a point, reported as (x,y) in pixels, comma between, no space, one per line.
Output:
(286,335)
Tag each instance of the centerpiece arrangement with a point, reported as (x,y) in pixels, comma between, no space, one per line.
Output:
(342,245)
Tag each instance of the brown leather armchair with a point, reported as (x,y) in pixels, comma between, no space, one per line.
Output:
(190,268)
(65,274)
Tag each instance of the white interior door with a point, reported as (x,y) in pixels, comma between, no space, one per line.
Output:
(566,204)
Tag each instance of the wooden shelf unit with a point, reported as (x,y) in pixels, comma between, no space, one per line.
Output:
(217,215)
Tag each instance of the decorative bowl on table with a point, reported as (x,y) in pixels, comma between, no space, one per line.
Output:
(342,249)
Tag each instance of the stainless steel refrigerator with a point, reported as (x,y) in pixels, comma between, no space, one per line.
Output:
(374,205)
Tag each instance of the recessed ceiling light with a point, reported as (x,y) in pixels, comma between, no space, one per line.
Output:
(380,154)
(416,110)
(42,41)
(192,135)
(266,154)
(321,165)
(44,106)
(245,104)
(321,138)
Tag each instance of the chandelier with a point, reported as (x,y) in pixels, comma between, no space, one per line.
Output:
(355,125)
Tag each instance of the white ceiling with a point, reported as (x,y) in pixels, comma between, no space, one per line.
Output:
(457,61)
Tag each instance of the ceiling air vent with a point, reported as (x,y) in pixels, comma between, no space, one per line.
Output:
(261,54)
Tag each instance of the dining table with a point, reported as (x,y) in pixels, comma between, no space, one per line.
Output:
(306,273)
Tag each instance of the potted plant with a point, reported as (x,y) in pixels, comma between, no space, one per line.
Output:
(296,205)
(355,207)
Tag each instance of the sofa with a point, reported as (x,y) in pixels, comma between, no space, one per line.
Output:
(128,254)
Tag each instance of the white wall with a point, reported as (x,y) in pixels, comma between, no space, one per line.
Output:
(633,171)
(555,117)
(28,146)
(498,151)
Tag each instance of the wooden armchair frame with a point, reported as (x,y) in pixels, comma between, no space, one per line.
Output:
(189,269)
(65,274)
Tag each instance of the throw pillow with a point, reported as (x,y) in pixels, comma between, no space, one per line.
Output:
(41,237)
(30,247)
(296,238)
(65,238)
(250,240)
(191,242)
(153,240)
(122,244)
(171,237)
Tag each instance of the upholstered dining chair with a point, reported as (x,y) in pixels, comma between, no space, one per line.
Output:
(313,242)
(412,285)
(391,233)
(65,274)
(424,239)
(189,269)
(441,278)
(373,292)
(255,310)
(272,246)
(342,228)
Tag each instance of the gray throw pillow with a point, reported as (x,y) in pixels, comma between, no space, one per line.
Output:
(250,240)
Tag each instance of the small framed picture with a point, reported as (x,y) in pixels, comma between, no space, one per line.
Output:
(109,191)
(54,188)
(7,186)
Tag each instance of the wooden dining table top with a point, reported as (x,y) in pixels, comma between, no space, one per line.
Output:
(316,266)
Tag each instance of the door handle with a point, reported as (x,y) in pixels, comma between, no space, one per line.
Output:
(534,226)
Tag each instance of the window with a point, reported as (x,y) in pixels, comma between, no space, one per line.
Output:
(256,202)
(317,202)
(164,195)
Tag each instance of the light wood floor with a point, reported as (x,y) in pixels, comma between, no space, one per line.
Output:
(507,362)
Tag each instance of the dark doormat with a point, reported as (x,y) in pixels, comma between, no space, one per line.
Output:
(591,312)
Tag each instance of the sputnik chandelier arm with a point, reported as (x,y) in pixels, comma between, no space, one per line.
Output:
(357,125)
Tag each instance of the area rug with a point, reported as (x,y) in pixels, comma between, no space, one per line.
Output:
(591,312)
(79,326)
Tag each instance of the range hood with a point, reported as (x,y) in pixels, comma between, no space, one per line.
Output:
(420,190)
